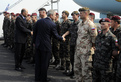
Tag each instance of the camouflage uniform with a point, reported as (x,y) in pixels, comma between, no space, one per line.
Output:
(73,36)
(64,46)
(118,71)
(105,44)
(6,25)
(29,41)
(55,45)
(116,32)
(86,36)
(11,29)
(32,52)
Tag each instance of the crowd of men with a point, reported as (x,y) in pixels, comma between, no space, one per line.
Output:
(86,52)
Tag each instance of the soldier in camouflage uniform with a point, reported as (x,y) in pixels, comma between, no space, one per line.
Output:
(85,41)
(73,36)
(118,71)
(55,43)
(6,28)
(64,46)
(11,29)
(32,52)
(115,29)
(104,49)
(29,38)
(3,28)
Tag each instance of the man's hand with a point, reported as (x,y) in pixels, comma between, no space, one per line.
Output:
(63,36)
(34,45)
(31,32)
(64,39)
(115,53)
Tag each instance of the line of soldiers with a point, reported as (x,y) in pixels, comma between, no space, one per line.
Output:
(90,52)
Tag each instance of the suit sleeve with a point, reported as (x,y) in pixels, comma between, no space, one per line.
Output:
(93,32)
(21,26)
(34,33)
(55,34)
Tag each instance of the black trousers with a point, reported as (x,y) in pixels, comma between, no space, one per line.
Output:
(19,54)
(42,59)
(72,52)
(99,75)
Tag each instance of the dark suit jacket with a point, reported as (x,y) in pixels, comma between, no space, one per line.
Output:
(43,31)
(21,30)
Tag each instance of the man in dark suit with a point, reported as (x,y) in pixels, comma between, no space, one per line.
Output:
(43,31)
(20,39)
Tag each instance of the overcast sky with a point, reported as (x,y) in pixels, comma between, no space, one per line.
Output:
(68,5)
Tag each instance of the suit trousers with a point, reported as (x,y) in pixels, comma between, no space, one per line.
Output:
(42,59)
(19,54)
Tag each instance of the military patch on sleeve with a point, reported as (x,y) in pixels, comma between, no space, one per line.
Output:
(93,28)
(116,41)
(99,31)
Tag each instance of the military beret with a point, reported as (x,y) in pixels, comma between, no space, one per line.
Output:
(66,12)
(57,14)
(17,14)
(105,20)
(28,15)
(92,14)
(75,12)
(84,9)
(41,9)
(115,18)
(5,12)
(34,14)
(12,13)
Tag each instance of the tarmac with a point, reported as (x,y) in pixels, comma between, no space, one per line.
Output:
(8,74)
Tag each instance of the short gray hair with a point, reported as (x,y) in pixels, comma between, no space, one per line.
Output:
(50,12)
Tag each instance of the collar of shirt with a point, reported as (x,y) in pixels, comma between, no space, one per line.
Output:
(118,29)
(83,23)
(106,34)
(23,16)
(77,22)
(49,18)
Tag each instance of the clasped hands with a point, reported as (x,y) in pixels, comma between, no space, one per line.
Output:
(64,39)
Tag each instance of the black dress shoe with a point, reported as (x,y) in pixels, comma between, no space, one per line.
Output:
(60,68)
(70,74)
(18,69)
(48,80)
(3,44)
(66,72)
(22,67)
(73,77)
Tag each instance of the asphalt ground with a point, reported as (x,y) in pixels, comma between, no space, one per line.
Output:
(8,74)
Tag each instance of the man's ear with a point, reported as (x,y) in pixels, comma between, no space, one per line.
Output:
(109,24)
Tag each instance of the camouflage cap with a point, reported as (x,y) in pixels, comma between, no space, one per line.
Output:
(66,12)
(84,9)
(75,12)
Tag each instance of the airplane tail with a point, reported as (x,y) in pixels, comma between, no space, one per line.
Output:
(7,7)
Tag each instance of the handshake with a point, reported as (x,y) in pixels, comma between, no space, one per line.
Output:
(64,39)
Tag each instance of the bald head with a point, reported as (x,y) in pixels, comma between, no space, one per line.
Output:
(24,12)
